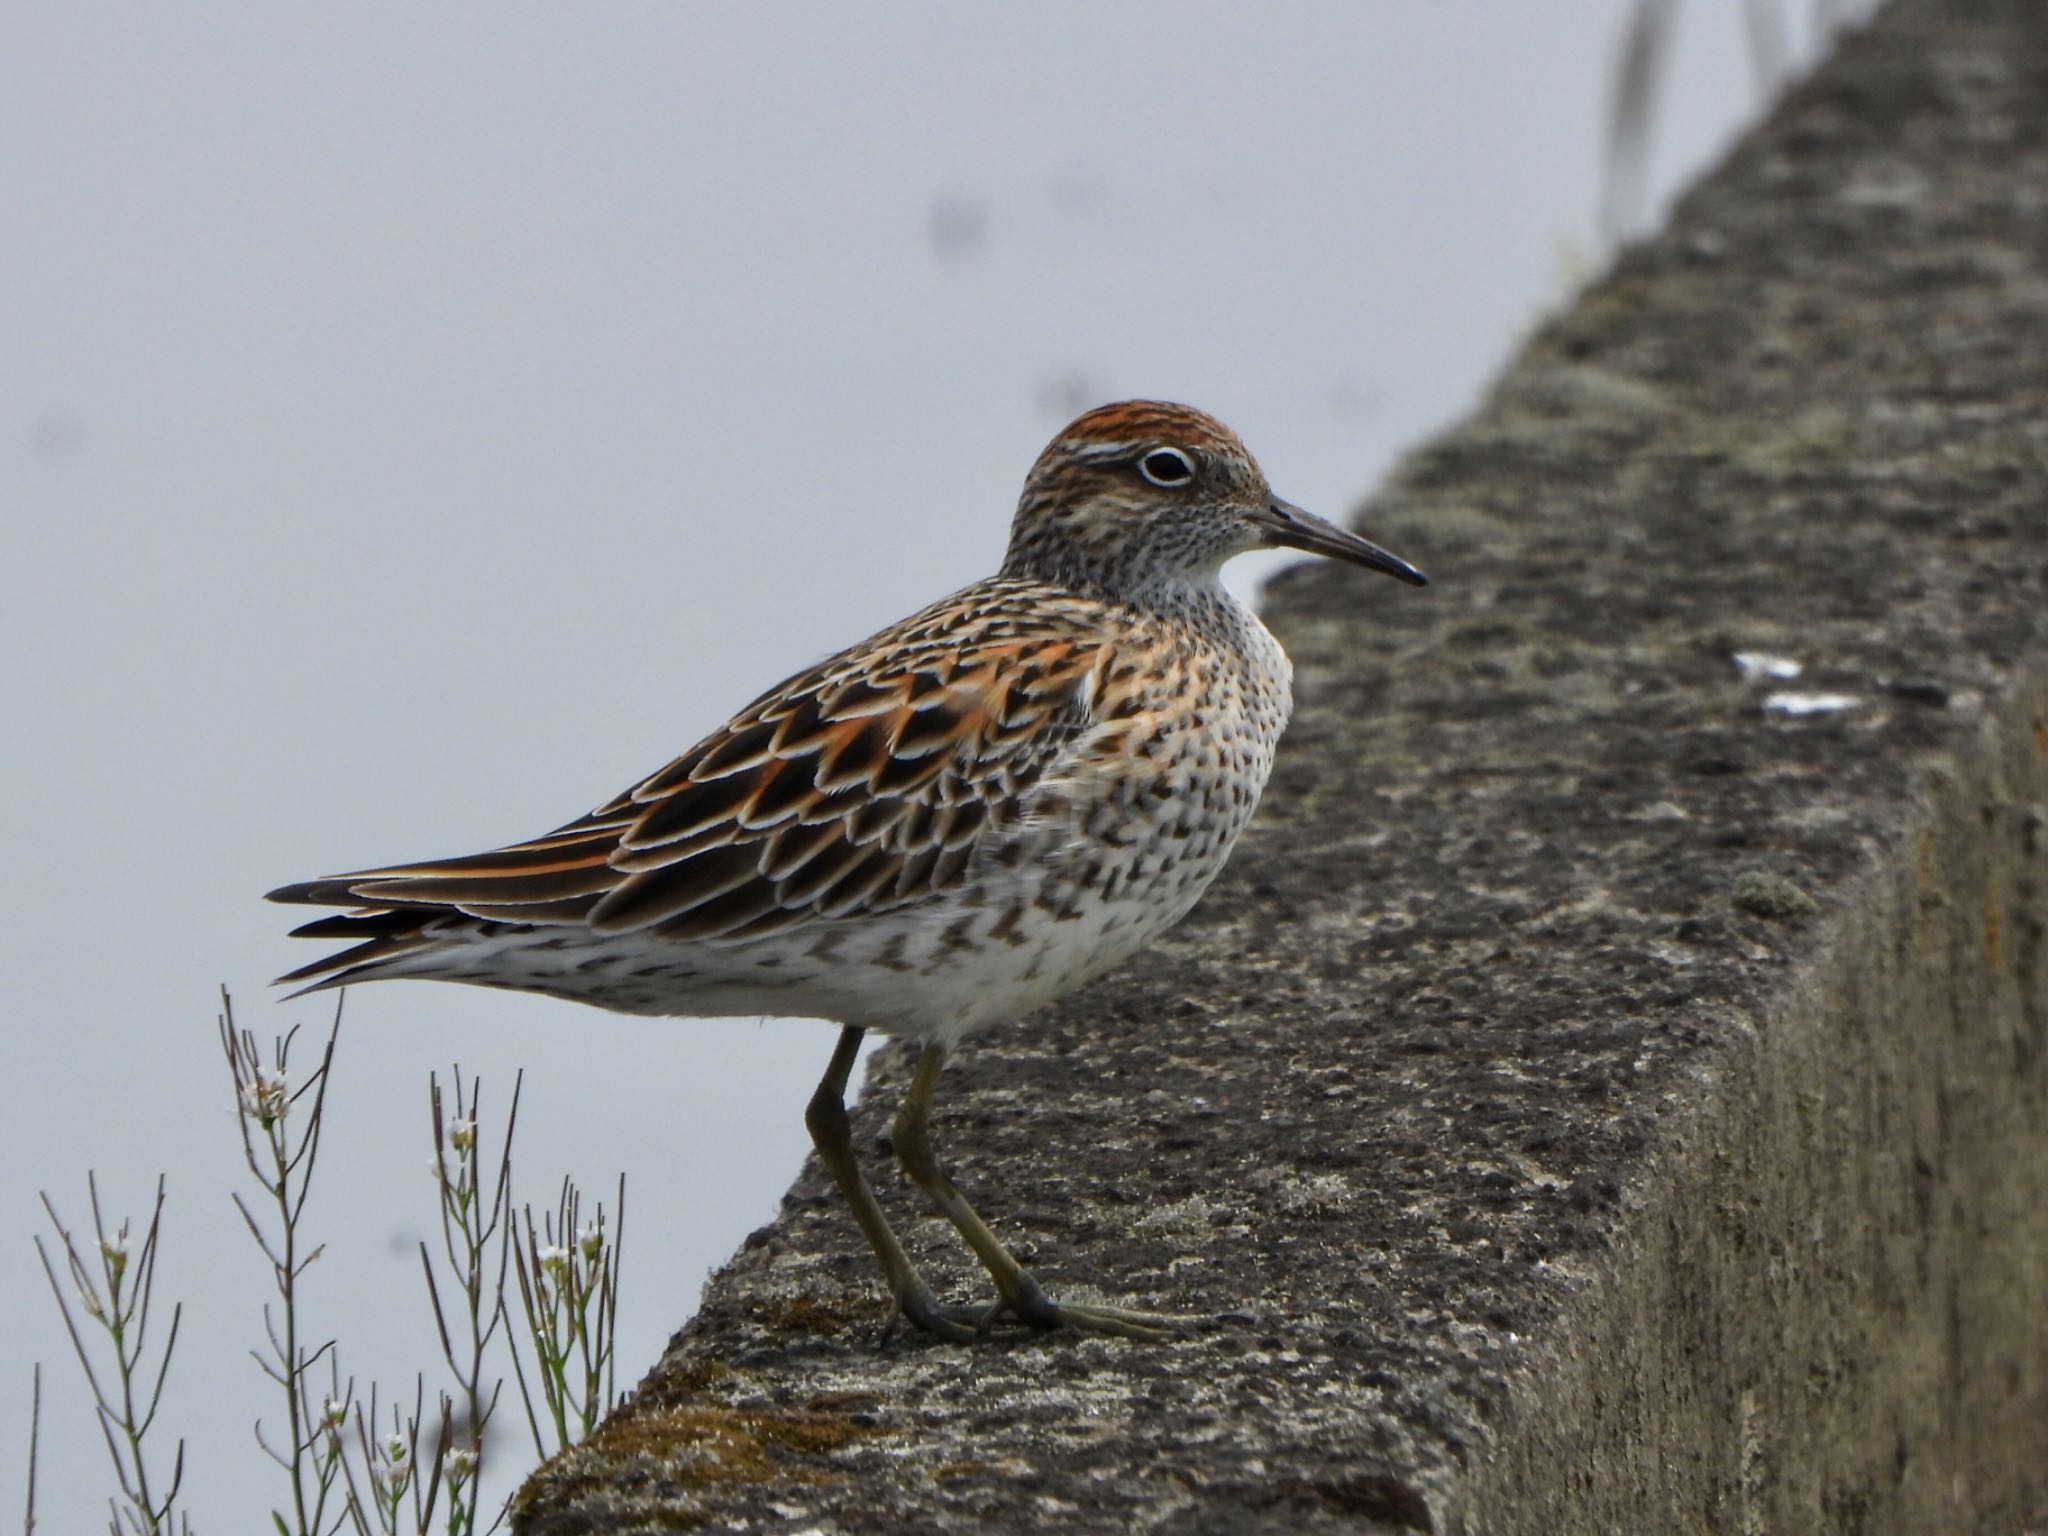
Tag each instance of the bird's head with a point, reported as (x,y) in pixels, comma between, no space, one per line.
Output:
(1146,493)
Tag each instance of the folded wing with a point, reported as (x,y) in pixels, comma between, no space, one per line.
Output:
(862,785)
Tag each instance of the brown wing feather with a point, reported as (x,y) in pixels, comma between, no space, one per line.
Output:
(863,784)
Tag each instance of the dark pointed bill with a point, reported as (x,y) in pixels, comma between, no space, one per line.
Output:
(1290,526)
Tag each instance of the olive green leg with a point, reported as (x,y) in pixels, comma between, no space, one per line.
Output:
(1022,1296)
(832,1133)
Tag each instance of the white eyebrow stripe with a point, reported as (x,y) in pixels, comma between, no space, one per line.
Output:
(1094,448)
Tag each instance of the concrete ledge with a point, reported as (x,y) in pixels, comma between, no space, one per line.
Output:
(1619,1105)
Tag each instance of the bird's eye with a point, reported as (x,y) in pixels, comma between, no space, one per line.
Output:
(1166,466)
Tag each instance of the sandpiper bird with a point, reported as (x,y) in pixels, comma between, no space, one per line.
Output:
(938,829)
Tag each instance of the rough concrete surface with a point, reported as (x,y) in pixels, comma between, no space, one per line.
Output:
(1614,1104)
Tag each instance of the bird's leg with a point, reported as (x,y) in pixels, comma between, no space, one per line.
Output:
(832,1133)
(1022,1296)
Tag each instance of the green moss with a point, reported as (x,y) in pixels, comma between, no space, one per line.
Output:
(689,1449)
(1773,897)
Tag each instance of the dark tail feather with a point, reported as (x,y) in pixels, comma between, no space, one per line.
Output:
(362,963)
(422,913)
(365,925)
(317,893)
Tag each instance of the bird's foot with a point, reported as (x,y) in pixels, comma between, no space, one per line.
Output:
(1032,1309)
(942,1320)
(1026,1302)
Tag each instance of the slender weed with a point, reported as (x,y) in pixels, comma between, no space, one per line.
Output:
(353,1461)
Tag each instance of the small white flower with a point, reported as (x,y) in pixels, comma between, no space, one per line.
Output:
(115,1251)
(333,1413)
(590,1241)
(393,1471)
(462,1134)
(461,1464)
(554,1259)
(449,1169)
(266,1097)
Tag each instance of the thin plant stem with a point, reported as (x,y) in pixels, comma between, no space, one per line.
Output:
(475,1243)
(35,1439)
(116,1294)
(1631,112)
(567,1273)
(283,1167)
